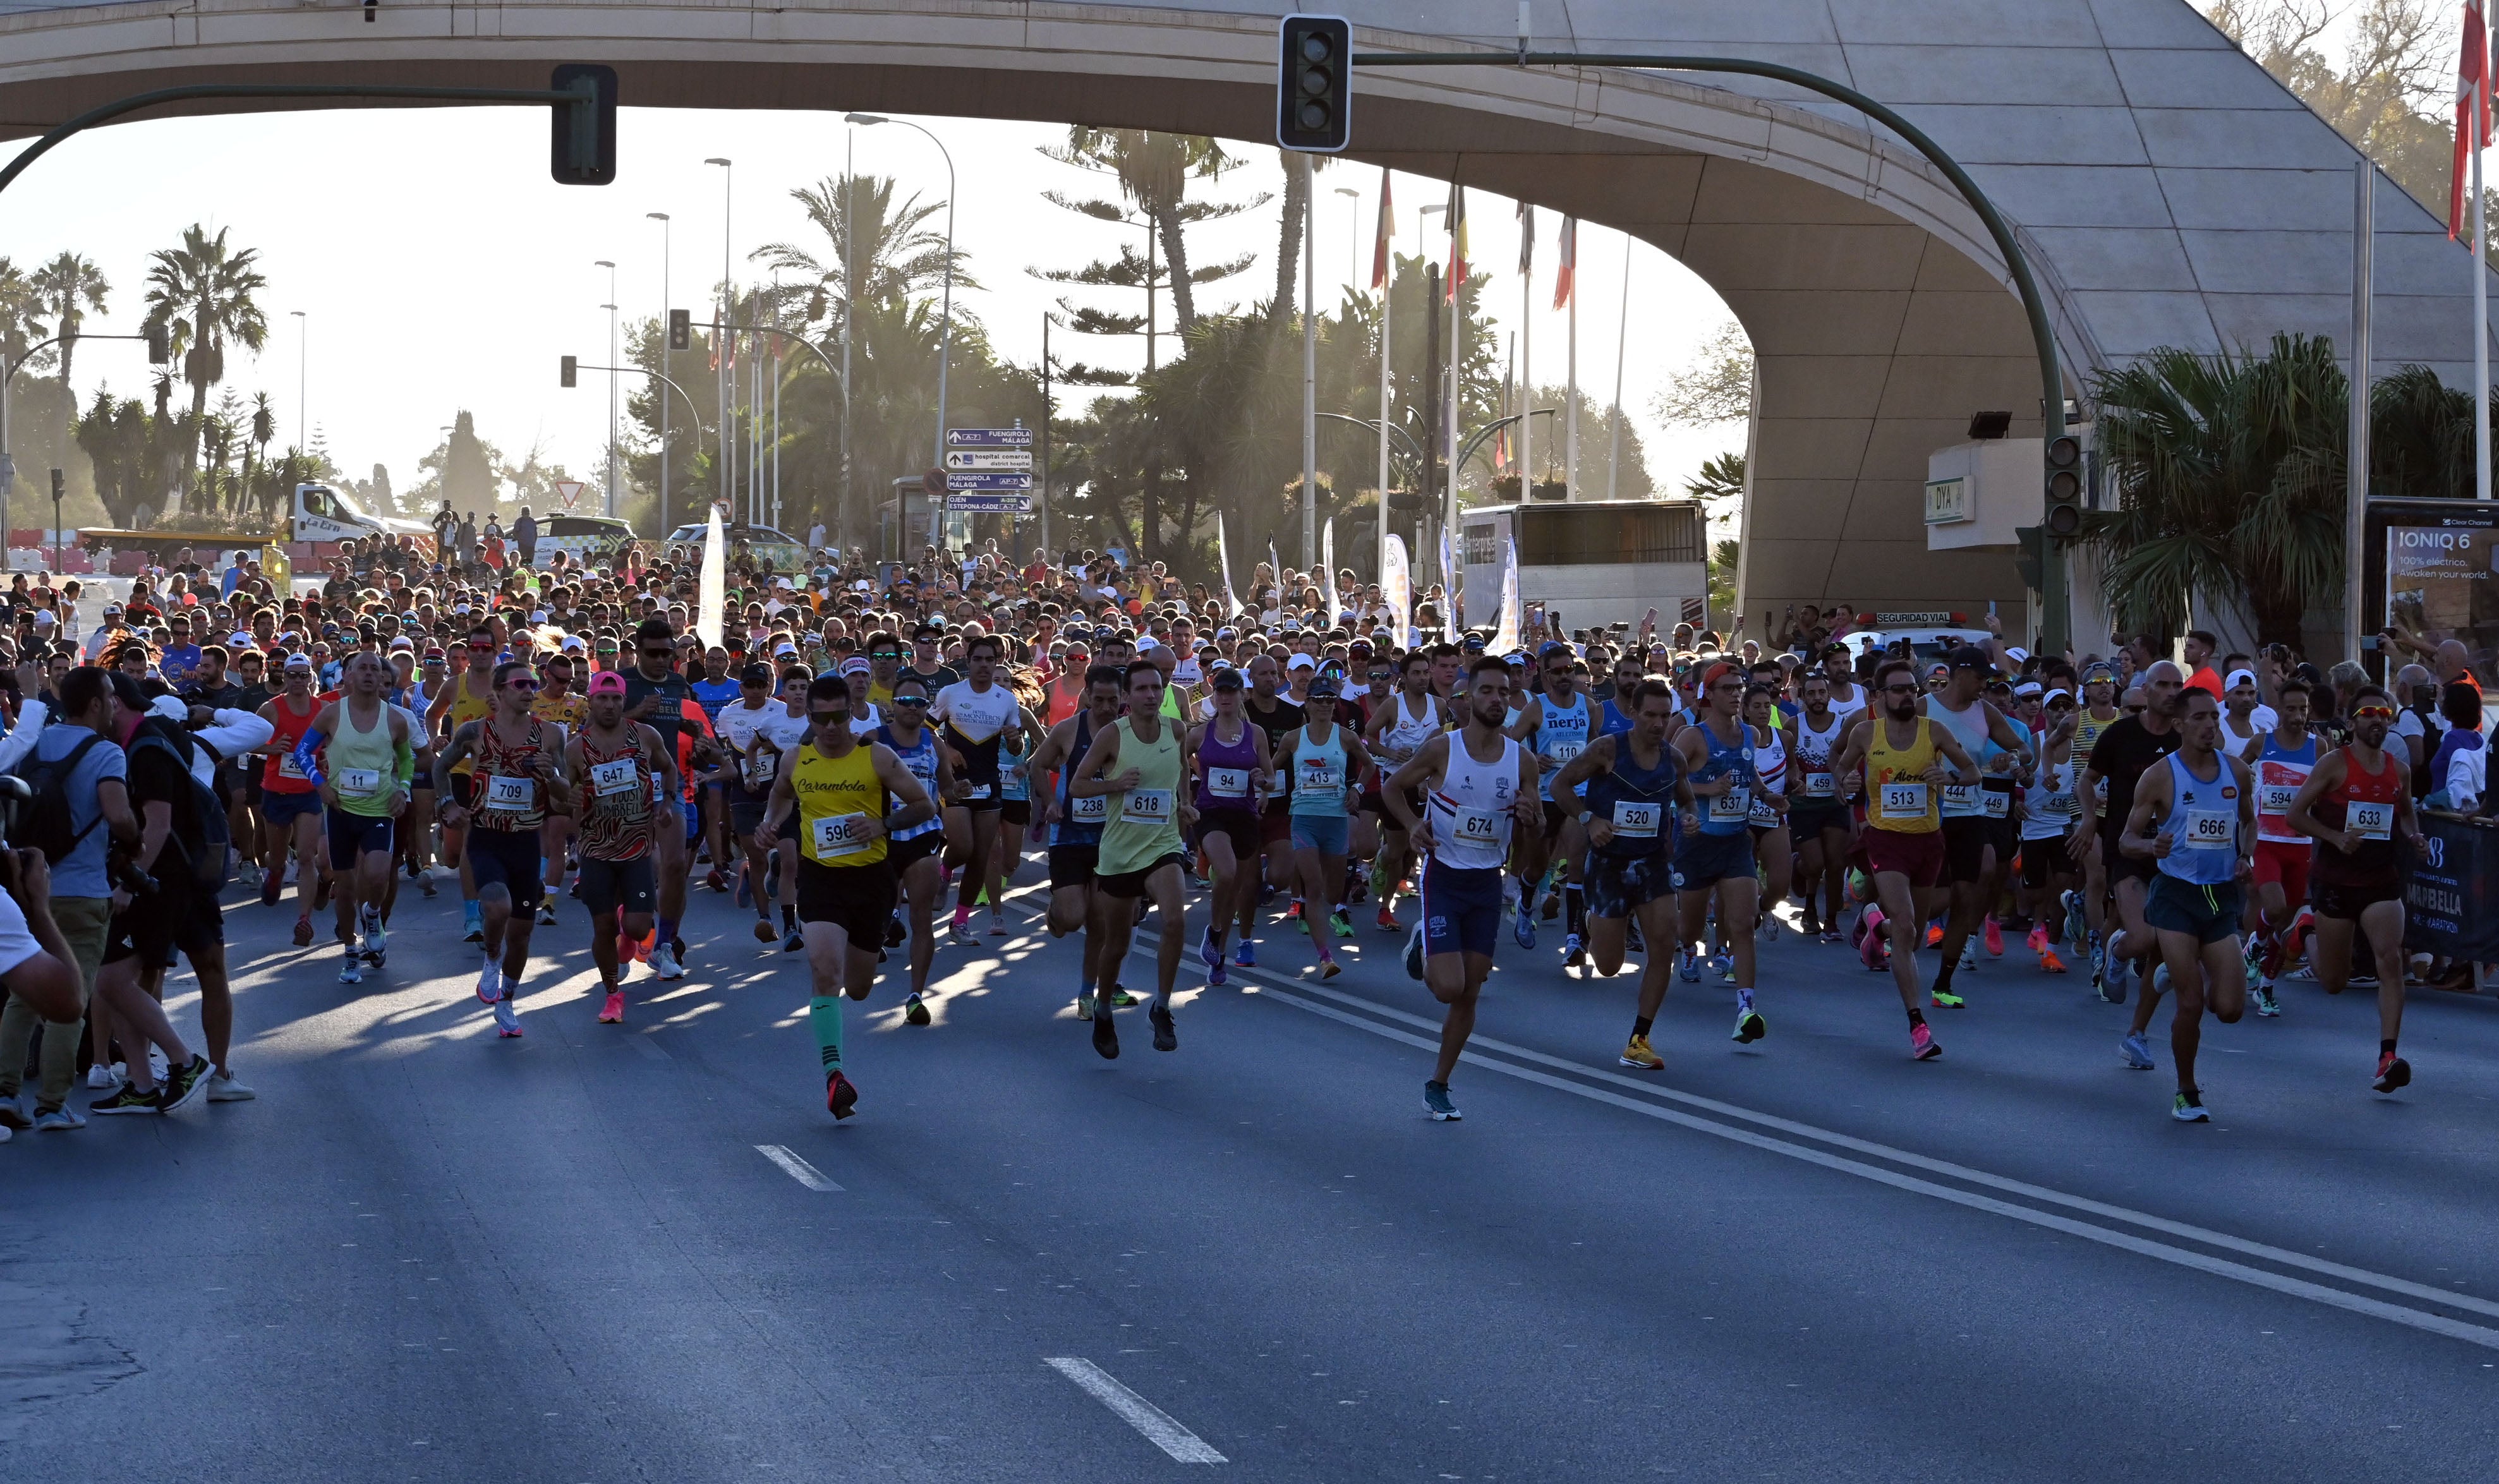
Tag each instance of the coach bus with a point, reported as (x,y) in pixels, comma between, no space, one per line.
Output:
(1593,563)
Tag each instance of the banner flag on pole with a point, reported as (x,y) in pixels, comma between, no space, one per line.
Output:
(1566,273)
(712,587)
(1397,588)
(1457,274)
(1380,235)
(1505,639)
(1449,581)
(1327,573)
(1223,562)
(2472,109)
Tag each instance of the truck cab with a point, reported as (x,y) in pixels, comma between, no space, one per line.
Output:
(325,515)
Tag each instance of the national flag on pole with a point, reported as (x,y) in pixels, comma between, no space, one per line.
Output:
(1501,448)
(2472,111)
(1380,235)
(1457,274)
(1566,273)
(1526,237)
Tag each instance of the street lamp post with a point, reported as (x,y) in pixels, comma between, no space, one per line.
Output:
(1352,236)
(946,314)
(722,479)
(610,307)
(667,365)
(303,358)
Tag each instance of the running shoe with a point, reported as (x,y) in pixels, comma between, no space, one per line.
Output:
(186,1084)
(1750,1026)
(1523,927)
(1300,924)
(1995,939)
(997,924)
(1342,921)
(126,1099)
(2189,1107)
(376,938)
(320,892)
(913,1010)
(1945,999)
(304,932)
(716,879)
(2254,955)
(474,922)
(352,969)
(1874,951)
(1211,953)
(961,927)
(1638,1053)
(1387,922)
(2393,1071)
(665,962)
(425,883)
(1574,952)
(1934,935)
(1122,999)
(490,982)
(1244,955)
(2078,923)
(1922,1046)
(765,932)
(2038,939)
(507,1021)
(2159,979)
(2049,962)
(2135,1051)
(1329,968)
(2267,1007)
(1414,955)
(1832,935)
(895,933)
(269,888)
(100,1076)
(1436,1101)
(1691,969)
(1968,957)
(1293,913)
(60,1120)
(794,942)
(13,1116)
(1105,1036)
(1166,1033)
(2111,981)
(1724,967)
(546,912)
(614,1012)
(842,1096)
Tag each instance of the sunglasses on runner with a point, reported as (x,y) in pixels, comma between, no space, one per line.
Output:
(824,719)
(2373,713)
(520,685)
(911,700)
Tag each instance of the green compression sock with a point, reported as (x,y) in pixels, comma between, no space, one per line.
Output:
(825,1017)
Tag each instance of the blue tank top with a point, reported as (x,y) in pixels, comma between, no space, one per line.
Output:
(1013,786)
(1732,812)
(1230,764)
(1612,722)
(922,760)
(1068,828)
(1639,802)
(1562,734)
(1319,775)
(2202,824)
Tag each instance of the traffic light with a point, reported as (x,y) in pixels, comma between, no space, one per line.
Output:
(1313,83)
(572,371)
(2064,505)
(681,330)
(160,344)
(2029,559)
(584,132)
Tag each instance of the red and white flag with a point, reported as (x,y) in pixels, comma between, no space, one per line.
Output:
(1566,271)
(1457,243)
(2472,111)
(1380,235)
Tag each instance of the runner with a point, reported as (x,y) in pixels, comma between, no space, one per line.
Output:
(1713,856)
(1905,759)
(290,803)
(1076,824)
(2124,751)
(2282,760)
(911,849)
(1818,817)
(1773,843)
(1229,760)
(468,697)
(761,731)
(1398,730)
(1141,853)
(972,714)
(1279,716)
(517,777)
(1959,706)
(625,787)
(834,799)
(557,703)
(2098,713)
(1628,807)
(2048,810)
(659,699)
(2356,804)
(1558,722)
(1479,785)
(1320,761)
(366,763)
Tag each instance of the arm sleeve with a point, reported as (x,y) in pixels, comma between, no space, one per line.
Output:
(306,758)
(20,744)
(405,759)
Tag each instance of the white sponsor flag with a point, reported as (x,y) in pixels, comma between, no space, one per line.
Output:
(1507,638)
(1450,582)
(1327,573)
(1396,590)
(713,586)
(1224,560)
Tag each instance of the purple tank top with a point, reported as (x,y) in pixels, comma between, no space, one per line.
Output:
(1231,766)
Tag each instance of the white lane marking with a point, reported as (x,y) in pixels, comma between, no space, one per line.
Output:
(1159,1427)
(795,1168)
(2436,1324)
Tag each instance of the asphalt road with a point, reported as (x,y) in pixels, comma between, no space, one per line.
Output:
(648,1254)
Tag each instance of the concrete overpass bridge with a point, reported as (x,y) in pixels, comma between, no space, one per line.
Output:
(2168,191)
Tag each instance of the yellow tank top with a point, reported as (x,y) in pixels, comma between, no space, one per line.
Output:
(836,797)
(1898,798)
(467,708)
(2087,730)
(568,710)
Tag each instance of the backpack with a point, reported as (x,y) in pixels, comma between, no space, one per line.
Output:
(49,823)
(211,857)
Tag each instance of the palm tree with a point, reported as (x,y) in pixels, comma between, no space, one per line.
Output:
(202,294)
(66,288)
(18,312)
(264,427)
(895,254)
(2229,481)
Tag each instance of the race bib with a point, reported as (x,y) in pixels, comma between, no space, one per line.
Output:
(838,834)
(287,766)
(1318,776)
(358,783)
(2211,829)
(1998,803)
(2099,791)
(2370,820)
(761,767)
(1145,806)
(980,791)
(2275,799)
(1477,826)
(1563,752)
(1764,815)
(1737,803)
(508,792)
(609,779)
(1961,798)
(1818,785)
(1637,821)
(1904,801)
(2063,806)
(1227,783)
(1089,811)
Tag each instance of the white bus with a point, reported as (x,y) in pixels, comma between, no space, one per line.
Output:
(1594,562)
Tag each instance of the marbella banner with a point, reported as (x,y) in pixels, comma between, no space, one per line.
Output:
(1397,588)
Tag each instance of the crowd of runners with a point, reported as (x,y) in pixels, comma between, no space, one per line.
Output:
(867,747)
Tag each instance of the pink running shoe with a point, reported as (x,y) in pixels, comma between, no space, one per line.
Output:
(1995,939)
(1922,1043)
(1873,944)
(614,1014)
(2037,942)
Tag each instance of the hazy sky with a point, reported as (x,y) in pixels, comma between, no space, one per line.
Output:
(438,268)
